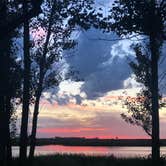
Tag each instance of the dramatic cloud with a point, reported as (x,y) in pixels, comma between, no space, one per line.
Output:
(102,64)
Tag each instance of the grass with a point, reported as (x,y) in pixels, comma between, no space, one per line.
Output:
(82,160)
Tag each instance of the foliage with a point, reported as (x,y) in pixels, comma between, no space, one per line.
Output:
(145,17)
(140,108)
(52,34)
(136,16)
(66,16)
(15,17)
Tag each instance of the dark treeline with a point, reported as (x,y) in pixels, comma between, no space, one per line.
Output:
(91,142)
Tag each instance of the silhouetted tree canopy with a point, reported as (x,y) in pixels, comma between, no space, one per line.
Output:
(144,17)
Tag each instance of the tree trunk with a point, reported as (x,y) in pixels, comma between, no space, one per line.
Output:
(3,87)
(34,126)
(8,148)
(40,87)
(155,101)
(2,130)
(26,88)
(154,47)
(3,91)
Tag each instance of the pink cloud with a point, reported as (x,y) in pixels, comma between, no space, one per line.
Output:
(68,130)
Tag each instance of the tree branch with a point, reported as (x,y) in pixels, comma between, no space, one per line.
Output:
(162,3)
(16,20)
(116,39)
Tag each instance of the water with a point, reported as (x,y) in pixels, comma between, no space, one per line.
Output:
(93,150)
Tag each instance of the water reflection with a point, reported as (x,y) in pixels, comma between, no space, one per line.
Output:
(92,150)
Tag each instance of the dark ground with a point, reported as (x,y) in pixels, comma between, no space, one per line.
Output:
(82,160)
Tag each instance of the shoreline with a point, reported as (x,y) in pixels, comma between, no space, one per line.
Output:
(91,142)
(82,160)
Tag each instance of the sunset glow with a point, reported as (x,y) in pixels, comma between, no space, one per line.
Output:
(92,118)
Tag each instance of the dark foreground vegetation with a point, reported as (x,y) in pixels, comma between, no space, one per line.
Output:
(82,160)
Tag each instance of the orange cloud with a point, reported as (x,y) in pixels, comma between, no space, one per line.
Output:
(68,130)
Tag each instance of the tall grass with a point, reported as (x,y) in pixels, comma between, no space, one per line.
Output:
(82,160)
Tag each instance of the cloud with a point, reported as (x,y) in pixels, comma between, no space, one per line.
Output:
(69,130)
(102,64)
(103,67)
(131,83)
(68,91)
(93,118)
(77,122)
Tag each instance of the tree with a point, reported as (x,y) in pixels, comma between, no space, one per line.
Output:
(16,17)
(3,89)
(11,17)
(144,17)
(8,72)
(10,82)
(12,99)
(44,64)
(140,108)
(4,93)
(50,45)
(26,86)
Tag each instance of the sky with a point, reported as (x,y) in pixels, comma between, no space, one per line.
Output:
(91,107)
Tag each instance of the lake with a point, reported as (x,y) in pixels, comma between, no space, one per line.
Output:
(93,150)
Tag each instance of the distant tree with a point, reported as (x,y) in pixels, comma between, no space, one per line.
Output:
(144,17)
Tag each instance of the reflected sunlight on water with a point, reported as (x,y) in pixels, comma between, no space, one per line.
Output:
(92,150)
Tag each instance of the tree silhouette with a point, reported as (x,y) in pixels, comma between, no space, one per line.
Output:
(26,86)
(44,62)
(144,17)
(9,84)
(140,108)
(58,22)
(11,17)
(16,16)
